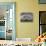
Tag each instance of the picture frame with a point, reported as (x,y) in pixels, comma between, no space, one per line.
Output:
(42,1)
(26,17)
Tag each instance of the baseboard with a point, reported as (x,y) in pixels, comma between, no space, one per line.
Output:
(24,39)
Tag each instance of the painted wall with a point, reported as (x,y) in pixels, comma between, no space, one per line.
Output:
(28,30)
(31,29)
(42,7)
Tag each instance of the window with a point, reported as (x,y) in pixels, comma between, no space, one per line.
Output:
(7,21)
(42,22)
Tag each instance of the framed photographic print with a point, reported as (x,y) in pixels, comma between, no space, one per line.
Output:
(42,1)
(26,17)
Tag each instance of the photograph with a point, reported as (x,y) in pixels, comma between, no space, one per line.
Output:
(26,17)
(23,22)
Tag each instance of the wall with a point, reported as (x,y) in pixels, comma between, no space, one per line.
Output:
(31,29)
(28,30)
(42,7)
